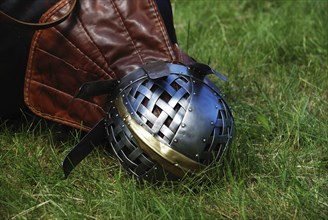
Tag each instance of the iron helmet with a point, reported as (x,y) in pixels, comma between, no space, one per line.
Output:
(167,120)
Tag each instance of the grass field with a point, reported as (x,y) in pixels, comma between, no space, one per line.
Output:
(275,56)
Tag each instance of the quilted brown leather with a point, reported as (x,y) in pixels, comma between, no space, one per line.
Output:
(102,39)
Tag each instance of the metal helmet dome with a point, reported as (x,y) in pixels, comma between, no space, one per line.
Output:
(167,120)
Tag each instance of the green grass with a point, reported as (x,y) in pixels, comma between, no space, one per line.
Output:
(275,56)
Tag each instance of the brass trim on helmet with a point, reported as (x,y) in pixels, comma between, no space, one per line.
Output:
(170,159)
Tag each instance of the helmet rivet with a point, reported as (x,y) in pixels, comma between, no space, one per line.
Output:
(175,140)
(155,168)
(190,109)
(116,115)
(216,107)
(131,81)
(123,126)
(196,155)
(123,95)
(176,165)
(183,125)
(212,122)
(129,124)
(131,136)
(204,140)
(118,81)
(194,93)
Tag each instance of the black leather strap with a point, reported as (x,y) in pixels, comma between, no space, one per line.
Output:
(92,139)
(95,88)
(5,18)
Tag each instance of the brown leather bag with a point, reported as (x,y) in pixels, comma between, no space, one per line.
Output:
(102,39)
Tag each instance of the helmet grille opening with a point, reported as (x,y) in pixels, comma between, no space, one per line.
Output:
(161,104)
(128,153)
(219,135)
